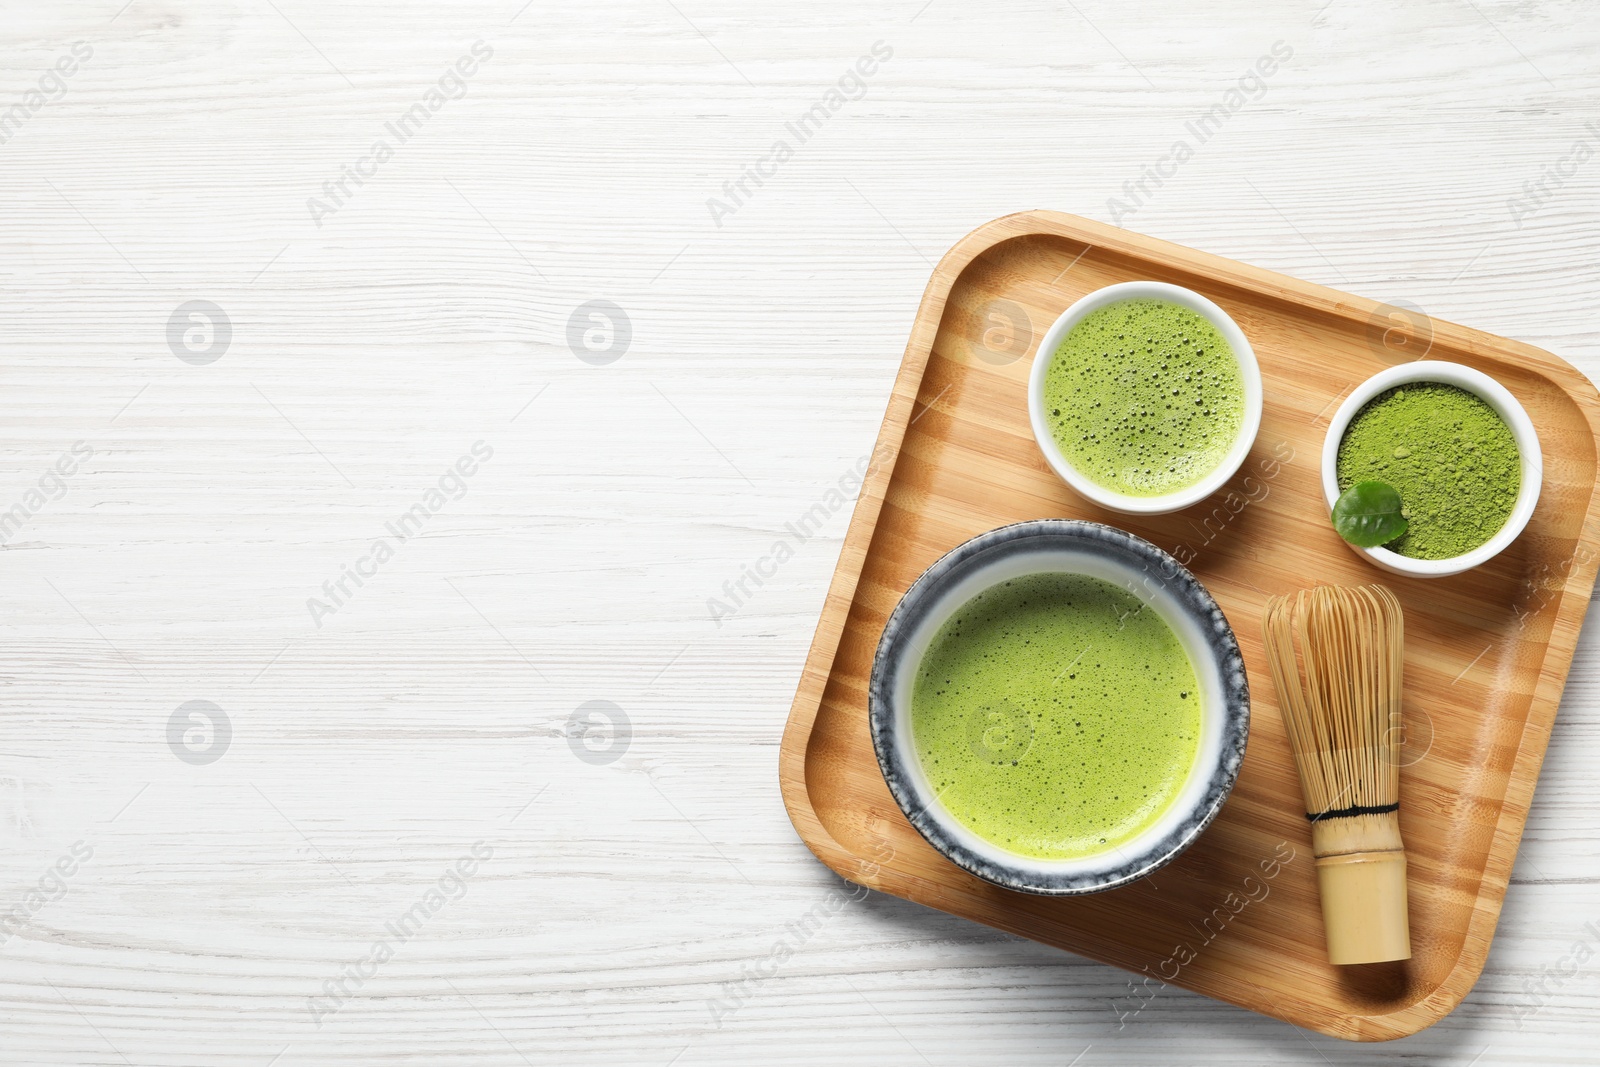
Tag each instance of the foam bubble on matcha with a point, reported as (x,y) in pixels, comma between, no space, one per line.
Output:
(1056,715)
(1144,397)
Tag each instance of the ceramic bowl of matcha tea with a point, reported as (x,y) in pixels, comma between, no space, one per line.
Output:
(1058,707)
(1145,397)
(1459,450)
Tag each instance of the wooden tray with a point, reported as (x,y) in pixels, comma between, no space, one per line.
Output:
(1487,652)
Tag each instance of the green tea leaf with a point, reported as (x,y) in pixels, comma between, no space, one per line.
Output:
(1369,514)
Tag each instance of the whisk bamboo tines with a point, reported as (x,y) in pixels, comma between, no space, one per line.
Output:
(1336,658)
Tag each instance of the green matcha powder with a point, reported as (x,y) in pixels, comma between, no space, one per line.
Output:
(1451,458)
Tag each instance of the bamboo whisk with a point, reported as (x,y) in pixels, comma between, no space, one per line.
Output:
(1336,658)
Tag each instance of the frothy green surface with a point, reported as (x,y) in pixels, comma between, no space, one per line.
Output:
(1055,715)
(1450,456)
(1144,397)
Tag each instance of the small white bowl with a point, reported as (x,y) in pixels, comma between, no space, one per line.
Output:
(1492,393)
(1249,371)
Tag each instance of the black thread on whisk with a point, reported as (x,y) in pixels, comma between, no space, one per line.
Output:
(1359,809)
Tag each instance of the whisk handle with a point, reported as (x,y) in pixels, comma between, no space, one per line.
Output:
(1364,906)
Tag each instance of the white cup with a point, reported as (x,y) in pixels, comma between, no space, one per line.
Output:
(1249,373)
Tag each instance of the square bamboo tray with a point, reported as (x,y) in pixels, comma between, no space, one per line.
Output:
(1236,917)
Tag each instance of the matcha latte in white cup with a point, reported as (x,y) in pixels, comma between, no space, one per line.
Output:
(1145,397)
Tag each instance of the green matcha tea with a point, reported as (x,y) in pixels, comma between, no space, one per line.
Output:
(1144,397)
(1449,455)
(1055,715)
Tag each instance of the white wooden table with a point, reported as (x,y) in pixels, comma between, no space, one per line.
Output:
(286,873)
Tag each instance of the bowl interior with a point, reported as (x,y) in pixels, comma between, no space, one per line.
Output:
(1250,376)
(1161,585)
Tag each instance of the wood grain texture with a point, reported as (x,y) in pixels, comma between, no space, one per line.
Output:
(1487,653)
(630,897)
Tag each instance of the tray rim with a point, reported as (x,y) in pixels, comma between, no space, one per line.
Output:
(1544,701)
